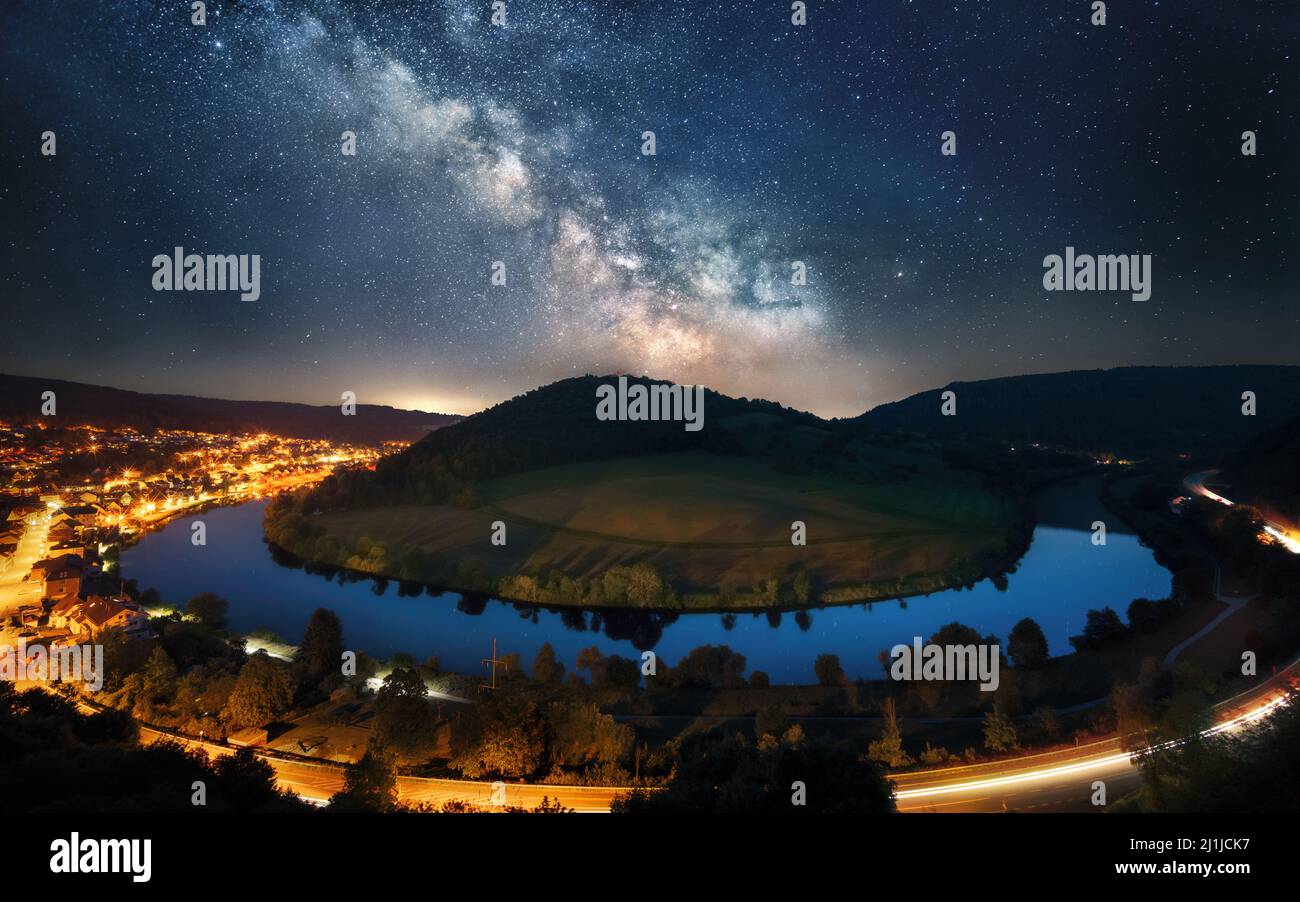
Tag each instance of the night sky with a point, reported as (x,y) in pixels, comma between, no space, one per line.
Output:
(522,144)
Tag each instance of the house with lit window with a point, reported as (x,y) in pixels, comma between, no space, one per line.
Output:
(60,576)
(92,616)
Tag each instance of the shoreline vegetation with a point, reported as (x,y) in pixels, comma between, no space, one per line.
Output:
(530,589)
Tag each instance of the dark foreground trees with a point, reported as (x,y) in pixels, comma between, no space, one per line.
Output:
(730,774)
(55,759)
(370,785)
(1255,770)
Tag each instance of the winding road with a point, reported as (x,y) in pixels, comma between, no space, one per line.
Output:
(1063,780)
(316,781)
(1060,780)
(1282,532)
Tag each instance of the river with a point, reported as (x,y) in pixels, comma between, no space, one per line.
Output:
(1061,576)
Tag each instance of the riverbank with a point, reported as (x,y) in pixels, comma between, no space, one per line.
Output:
(1059,578)
(683,532)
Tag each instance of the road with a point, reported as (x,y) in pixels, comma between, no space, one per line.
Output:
(31,548)
(316,781)
(1062,780)
(1280,531)
(1233,604)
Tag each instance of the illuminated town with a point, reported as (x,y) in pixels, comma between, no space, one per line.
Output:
(75,496)
(198,469)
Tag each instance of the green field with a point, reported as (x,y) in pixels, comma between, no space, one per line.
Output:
(713,527)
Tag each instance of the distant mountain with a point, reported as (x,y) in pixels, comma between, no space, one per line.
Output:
(20,399)
(1132,411)
(1267,470)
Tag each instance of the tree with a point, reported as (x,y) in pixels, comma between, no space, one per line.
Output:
(644,585)
(619,672)
(828,670)
(955,634)
(322,645)
(244,781)
(547,668)
(1256,769)
(501,736)
(1145,615)
(770,721)
(403,721)
(802,587)
(208,609)
(1239,535)
(158,678)
(370,785)
(727,774)
(263,690)
(1135,715)
(999,731)
(1046,722)
(96,760)
(1102,628)
(582,735)
(709,667)
(888,749)
(1027,646)
(589,659)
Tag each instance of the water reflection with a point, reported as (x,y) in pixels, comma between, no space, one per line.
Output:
(1057,581)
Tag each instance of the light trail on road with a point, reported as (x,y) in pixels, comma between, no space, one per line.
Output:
(1089,765)
(1196,485)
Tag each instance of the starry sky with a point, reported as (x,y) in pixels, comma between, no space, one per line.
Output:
(522,144)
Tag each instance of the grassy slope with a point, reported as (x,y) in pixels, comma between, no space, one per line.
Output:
(703,521)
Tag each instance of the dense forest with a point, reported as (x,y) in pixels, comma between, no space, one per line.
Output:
(1269,468)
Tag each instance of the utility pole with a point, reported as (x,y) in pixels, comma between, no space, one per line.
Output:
(494,662)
